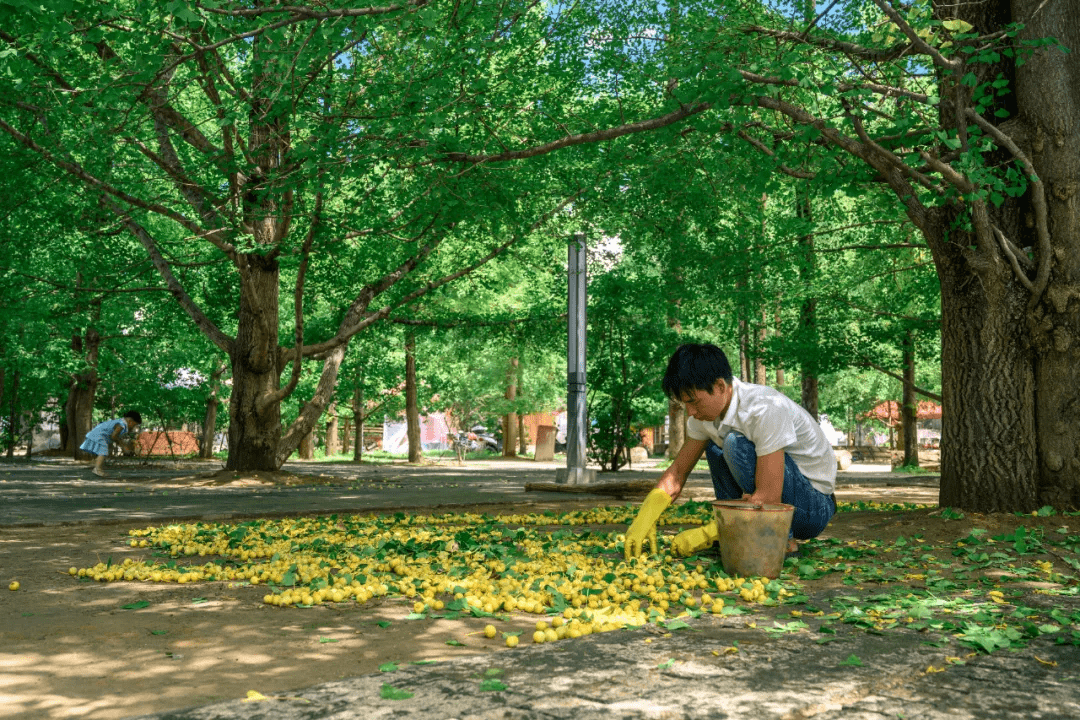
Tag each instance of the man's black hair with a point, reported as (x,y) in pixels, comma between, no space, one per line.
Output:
(695,367)
(134,415)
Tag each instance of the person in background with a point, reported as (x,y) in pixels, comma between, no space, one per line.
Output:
(118,431)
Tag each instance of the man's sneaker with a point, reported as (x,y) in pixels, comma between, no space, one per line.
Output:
(100,473)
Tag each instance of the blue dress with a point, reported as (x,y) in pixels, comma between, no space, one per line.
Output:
(97,440)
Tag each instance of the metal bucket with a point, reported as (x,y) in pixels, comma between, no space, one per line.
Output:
(753,538)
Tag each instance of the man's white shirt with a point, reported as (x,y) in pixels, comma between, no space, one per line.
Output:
(773,421)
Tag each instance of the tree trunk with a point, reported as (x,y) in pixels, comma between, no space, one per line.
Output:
(358,419)
(676,427)
(13,414)
(412,411)
(779,363)
(909,406)
(1047,92)
(807,334)
(254,428)
(306,451)
(744,335)
(988,442)
(1010,376)
(209,428)
(30,425)
(510,419)
(332,444)
(761,375)
(346,435)
(79,407)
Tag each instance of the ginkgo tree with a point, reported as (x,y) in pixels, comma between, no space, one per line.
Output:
(960,112)
(351,142)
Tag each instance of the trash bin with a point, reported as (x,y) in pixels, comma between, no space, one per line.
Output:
(545,442)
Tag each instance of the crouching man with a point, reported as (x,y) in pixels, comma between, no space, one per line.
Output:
(761,446)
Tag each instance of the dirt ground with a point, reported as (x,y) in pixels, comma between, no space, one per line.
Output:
(71,649)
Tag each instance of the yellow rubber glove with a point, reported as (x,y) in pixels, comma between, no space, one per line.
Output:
(690,541)
(644,526)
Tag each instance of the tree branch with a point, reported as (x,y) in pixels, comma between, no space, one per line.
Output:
(1038,202)
(215,335)
(598,136)
(266,400)
(917,41)
(851,49)
(925,393)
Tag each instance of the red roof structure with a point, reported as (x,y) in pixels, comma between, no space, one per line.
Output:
(888,412)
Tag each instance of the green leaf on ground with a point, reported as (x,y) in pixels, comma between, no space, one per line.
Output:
(492,685)
(389,692)
(852,661)
(139,605)
(388,667)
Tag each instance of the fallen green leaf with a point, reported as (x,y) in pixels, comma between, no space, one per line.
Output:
(389,692)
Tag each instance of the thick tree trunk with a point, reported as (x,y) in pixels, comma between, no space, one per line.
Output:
(254,428)
(909,405)
(412,411)
(988,448)
(1046,90)
(510,419)
(1010,375)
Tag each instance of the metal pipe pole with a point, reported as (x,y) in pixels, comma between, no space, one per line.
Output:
(576,424)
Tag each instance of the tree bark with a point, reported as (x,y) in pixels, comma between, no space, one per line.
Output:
(346,435)
(761,375)
(306,451)
(254,427)
(807,334)
(332,443)
(13,414)
(1046,90)
(209,428)
(1010,376)
(510,429)
(358,420)
(79,407)
(909,405)
(412,411)
(676,427)
(744,334)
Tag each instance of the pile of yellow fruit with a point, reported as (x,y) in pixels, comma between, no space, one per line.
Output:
(442,563)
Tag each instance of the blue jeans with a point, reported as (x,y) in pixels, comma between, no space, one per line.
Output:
(734,466)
